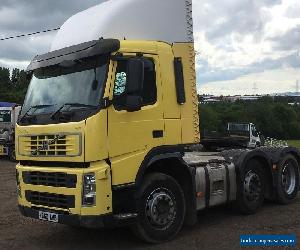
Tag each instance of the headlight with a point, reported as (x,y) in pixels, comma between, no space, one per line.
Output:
(89,190)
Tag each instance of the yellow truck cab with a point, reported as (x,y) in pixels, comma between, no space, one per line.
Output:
(103,136)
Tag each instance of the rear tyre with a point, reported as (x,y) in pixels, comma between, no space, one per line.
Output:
(161,207)
(287,180)
(251,187)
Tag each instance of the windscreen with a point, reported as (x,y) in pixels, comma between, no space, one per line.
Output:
(72,82)
(238,127)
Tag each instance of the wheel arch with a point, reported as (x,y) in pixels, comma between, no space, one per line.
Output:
(172,164)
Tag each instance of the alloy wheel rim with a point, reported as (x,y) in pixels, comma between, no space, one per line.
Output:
(288,178)
(252,186)
(161,208)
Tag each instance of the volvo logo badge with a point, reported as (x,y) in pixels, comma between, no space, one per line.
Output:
(46,145)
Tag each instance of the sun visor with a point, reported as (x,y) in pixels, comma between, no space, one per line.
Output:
(75,52)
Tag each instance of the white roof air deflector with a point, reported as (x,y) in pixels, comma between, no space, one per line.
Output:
(158,20)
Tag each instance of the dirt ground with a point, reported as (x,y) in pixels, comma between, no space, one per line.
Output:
(217,228)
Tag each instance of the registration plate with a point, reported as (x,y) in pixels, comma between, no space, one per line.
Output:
(46,216)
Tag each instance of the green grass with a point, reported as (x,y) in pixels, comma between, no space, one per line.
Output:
(294,143)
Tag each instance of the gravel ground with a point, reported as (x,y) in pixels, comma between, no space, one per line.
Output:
(217,228)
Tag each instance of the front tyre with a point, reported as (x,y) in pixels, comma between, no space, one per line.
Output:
(161,207)
(287,180)
(12,154)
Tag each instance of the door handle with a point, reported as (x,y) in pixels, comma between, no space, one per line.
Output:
(158,133)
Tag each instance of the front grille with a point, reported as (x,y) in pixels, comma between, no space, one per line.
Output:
(50,145)
(50,200)
(50,179)
(55,164)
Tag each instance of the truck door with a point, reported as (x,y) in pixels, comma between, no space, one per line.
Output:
(134,132)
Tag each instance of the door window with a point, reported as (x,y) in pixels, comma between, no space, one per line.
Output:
(149,93)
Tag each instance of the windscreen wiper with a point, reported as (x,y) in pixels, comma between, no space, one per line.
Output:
(79,105)
(36,107)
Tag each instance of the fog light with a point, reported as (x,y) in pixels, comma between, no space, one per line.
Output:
(89,190)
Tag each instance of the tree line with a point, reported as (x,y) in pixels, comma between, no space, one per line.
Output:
(13,85)
(273,117)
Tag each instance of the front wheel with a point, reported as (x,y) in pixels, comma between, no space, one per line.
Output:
(12,154)
(161,207)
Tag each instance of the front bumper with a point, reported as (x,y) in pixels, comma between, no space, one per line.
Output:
(107,221)
(60,189)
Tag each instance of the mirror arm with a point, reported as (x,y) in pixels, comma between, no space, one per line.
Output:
(106,103)
(29,75)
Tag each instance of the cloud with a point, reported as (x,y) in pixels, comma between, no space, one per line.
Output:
(255,83)
(290,40)
(207,74)
(26,16)
(241,38)
(236,39)
(218,18)
(293,11)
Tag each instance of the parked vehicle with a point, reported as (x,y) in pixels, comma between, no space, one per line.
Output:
(8,116)
(103,132)
(236,135)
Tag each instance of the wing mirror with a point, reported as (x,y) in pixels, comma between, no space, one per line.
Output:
(135,76)
(133,103)
(29,75)
(135,83)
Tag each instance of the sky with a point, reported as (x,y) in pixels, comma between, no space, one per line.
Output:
(243,46)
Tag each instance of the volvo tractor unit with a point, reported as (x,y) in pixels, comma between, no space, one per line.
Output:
(104,136)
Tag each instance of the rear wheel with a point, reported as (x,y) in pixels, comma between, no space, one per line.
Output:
(161,207)
(251,187)
(287,180)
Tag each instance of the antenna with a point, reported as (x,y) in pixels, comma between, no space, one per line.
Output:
(254,88)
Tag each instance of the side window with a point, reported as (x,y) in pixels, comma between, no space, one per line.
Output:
(254,132)
(149,93)
(120,80)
